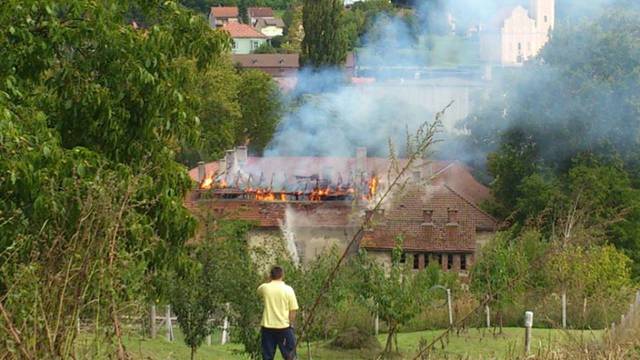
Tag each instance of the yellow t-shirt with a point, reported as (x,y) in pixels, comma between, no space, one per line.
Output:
(278,299)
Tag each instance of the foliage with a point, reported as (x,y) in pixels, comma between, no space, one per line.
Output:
(324,43)
(231,273)
(92,111)
(563,132)
(261,109)
(500,273)
(395,294)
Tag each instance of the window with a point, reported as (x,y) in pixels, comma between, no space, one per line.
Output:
(403,258)
(234,45)
(427,216)
(449,261)
(546,19)
(426,260)
(519,46)
(416,261)
(255,45)
(440,259)
(463,262)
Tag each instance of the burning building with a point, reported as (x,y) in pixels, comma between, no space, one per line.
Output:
(314,203)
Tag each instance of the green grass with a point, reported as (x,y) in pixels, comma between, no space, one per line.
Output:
(474,344)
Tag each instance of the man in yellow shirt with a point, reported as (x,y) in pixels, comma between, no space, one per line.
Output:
(278,317)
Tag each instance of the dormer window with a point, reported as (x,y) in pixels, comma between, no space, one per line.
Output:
(452,216)
(427,216)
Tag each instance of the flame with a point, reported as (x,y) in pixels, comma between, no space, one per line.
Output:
(207,183)
(283,197)
(373,187)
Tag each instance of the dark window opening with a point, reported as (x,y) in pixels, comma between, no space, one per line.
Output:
(403,258)
(440,259)
(426,260)
(416,261)
(449,261)
(463,262)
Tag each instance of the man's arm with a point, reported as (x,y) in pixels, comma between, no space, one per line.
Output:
(292,317)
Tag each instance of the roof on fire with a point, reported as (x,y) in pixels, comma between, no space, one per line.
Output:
(453,174)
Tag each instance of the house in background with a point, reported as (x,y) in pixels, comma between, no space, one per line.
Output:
(270,27)
(259,13)
(245,38)
(222,15)
(518,34)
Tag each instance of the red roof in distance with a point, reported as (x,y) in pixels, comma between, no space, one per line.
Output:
(225,12)
(260,12)
(237,30)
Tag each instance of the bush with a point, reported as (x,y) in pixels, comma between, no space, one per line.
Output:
(356,338)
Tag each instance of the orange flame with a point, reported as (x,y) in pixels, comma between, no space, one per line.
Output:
(207,183)
(373,187)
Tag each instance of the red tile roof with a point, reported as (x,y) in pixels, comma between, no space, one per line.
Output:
(254,61)
(238,31)
(258,12)
(406,217)
(270,214)
(225,12)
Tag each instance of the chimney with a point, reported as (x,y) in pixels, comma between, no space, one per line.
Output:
(230,157)
(222,166)
(241,155)
(361,160)
(202,171)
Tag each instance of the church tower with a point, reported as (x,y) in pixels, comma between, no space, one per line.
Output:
(544,13)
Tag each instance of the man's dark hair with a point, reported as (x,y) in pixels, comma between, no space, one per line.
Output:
(276,273)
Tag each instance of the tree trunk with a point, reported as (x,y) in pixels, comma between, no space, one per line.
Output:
(193,353)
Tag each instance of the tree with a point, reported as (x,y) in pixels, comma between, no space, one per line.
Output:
(261,109)
(324,43)
(92,112)
(499,274)
(397,295)
(194,303)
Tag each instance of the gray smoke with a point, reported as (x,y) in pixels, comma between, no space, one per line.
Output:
(331,117)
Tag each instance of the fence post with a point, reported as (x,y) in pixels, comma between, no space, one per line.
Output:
(449,306)
(225,328)
(169,324)
(564,309)
(376,324)
(152,322)
(528,323)
(488,314)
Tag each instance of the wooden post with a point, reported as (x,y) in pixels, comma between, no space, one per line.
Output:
(376,324)
(225,328)
(153,331)
(564,309)
(528,324)
(488,314)
(449,306)
(169,324)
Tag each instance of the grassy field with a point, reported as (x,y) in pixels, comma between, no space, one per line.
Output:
(475,344)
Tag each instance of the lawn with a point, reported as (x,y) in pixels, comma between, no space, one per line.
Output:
(474,344)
